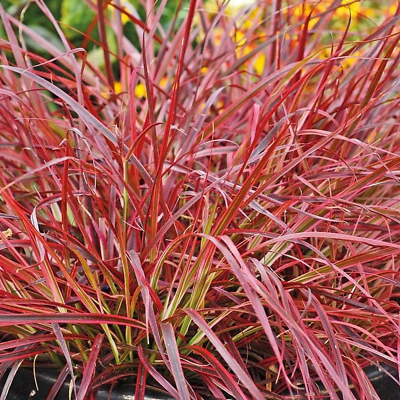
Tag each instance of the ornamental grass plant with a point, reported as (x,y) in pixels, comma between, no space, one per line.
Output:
(209,206)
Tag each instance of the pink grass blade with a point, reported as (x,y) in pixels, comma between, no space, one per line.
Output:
(228,379)
(77,318)
(65,350)
(90,366)
(58,383)
(233,364)
(156,375)
(10,379)
(89,119)
(175,360)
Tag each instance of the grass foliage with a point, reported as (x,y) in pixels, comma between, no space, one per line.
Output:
(212,212)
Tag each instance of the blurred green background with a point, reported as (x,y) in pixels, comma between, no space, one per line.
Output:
(76,18)
(79,24)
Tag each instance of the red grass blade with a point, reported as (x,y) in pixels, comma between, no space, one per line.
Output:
(175,360)
(90,368)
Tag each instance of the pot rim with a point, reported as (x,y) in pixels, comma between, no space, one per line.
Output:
(46,377)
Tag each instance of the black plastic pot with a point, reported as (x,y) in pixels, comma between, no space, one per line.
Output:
(24,387)
(385,386)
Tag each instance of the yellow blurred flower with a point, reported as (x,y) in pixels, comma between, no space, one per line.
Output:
(259,64)
(302,11)
(118,87)
(392,9)
(349,8)
(351,60)
(240,37)
(326,52)
(163,82)
(231,9)
(126,6)
(371,138)
(369,12)
(140,90)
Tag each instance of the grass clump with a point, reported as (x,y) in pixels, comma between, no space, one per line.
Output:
(212,211)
